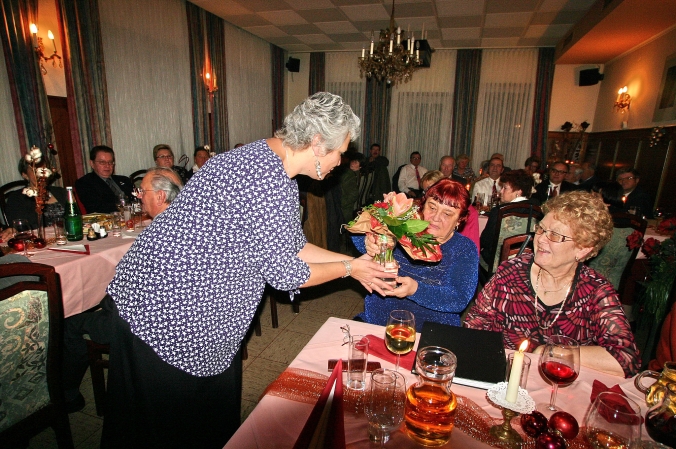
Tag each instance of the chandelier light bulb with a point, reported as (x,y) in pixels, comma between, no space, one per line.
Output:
(33,28)
(50,34)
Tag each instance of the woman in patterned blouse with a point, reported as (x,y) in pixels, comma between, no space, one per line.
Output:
(551,292)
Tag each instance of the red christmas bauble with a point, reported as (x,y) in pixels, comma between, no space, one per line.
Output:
(564,423)
(16,245)
(39,243)
(50,146)
(550,440)
(534,424)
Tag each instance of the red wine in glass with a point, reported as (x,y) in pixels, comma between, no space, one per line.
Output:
(560,364)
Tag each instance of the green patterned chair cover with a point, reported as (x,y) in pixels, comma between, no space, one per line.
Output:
(24,331)
(613,258)
(511,225)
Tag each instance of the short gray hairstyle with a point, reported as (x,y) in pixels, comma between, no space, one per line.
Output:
(325,114)
(166,180)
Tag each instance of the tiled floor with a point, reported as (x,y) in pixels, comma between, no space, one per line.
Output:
(269,354)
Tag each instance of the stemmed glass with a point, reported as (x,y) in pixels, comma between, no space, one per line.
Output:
(400,333)
(384,407)
(23,232)
(560,364)
(614,421)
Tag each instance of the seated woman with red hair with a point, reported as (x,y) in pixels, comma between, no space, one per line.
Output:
(437,292)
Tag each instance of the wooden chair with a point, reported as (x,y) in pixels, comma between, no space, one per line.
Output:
(137,177)
(4,190)
(615,260)
(31,391)
(511,246)
(514,219)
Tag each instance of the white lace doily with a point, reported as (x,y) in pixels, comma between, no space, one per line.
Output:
(524,403)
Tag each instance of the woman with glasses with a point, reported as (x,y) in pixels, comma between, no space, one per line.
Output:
(164,157)
(552,292)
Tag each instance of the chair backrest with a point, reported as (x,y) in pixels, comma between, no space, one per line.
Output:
(137,177)
(614,261)
(395,179)
(4,190)
(31,319)
(514,218)
(365,183)
(511,246)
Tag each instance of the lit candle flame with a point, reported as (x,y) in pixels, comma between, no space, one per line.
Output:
(50,35)
(524,346)
(34,28)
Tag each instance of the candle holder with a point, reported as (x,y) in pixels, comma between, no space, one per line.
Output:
(524,404)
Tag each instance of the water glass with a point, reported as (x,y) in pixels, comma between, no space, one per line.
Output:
(59,231)
(358,351)
(524,371)
(385,405)
(117,230)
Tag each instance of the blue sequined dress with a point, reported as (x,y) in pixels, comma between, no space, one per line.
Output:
(444,288)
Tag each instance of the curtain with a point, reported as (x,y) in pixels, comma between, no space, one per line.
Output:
(145,45)
(317,71)
(342,78)
(9,141)
(466,92)
(378,98)
(277,56)
(207,55)
(422,112)
(249,86)
(543,95)
(85,78)
(505,105)
(27,91)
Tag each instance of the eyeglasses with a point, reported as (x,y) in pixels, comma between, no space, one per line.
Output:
(558,172)
(551,235)
(628,178)
(108,163)
(166,156)
(139,191)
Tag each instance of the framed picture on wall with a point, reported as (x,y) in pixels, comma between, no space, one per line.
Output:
(665,109)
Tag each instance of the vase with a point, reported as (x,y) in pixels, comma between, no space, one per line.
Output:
(41,226)
(386,258)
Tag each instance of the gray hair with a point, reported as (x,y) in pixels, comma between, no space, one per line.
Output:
(166,180)
(325,114)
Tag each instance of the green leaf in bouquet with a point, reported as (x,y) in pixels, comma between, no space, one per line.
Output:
(416,226)
(391,221)
(398,231)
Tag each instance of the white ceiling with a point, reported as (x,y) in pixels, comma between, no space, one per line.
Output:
(330,25)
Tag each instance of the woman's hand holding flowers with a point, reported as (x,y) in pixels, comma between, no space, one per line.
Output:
(369,274)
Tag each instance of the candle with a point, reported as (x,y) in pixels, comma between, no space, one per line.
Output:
(515,374)
(34,31)
(624,199)
(467,187)
(398,39)
(391,43)
(371,52)
(363,52)
(51,36)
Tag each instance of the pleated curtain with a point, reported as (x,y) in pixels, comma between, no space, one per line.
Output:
(84,66)
(317,71)
(466,96)
(342,78)
(277,57)
(505,106)
(543,94)
(421,113)
(378,99)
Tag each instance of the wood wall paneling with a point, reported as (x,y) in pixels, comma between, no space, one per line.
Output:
(58,107)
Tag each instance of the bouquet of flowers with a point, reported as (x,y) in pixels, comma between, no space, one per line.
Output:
(398,218)
(667,226)
(42,175)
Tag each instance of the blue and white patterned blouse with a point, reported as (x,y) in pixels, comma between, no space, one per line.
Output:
(191,282)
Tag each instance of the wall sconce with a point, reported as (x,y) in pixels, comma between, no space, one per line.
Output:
(623,100)
(40,49)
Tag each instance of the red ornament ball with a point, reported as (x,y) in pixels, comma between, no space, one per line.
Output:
(564,423)
(50,146)
(39,243)
(534,424)
(550,440)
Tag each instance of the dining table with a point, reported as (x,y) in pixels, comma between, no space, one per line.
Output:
(276,422)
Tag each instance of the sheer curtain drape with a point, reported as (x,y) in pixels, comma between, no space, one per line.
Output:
(505,108)
(422,112)
(342,78)
(9,141)
(247,60)
(147,72)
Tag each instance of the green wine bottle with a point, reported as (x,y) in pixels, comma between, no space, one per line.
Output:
(73,218)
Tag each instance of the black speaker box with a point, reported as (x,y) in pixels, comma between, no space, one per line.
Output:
(293,64)
(589,77)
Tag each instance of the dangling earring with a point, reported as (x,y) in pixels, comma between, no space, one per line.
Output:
(576,259)
(318,167)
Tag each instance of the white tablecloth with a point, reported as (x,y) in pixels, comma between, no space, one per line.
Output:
(277,422)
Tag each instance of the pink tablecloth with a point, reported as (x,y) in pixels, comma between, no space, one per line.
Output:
(84,278)
(277,422)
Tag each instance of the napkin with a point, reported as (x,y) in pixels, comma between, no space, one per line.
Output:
(617,401)
(378,348)
(76,249)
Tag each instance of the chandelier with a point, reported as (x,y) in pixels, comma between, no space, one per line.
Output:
(392,58)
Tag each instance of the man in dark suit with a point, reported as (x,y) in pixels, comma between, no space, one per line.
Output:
(556,185)
(635,196)
(100,190)
(588,178)
(446,166)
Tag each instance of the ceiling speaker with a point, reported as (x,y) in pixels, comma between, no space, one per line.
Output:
(293,64)
(589,77)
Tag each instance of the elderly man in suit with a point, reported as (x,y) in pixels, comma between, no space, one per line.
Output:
(557,183)
(588,178)
(100,190)
(446,166)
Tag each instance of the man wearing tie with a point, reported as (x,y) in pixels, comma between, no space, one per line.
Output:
(411,175)
(100,190)
(557,183)
(490,187)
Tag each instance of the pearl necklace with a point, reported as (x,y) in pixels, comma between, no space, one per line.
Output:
(535,301)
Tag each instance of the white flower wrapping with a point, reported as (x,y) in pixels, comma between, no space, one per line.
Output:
(43,172)
(30,192)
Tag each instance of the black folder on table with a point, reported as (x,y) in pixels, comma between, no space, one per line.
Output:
(480,354)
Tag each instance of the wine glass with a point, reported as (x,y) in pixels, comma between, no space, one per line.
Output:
(614,421)
(384,407)
(400,333)
(23,232)
(560,364)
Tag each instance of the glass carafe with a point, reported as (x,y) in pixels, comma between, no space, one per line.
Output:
(429,415)
(386,258)
(653,393)
(660,421)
